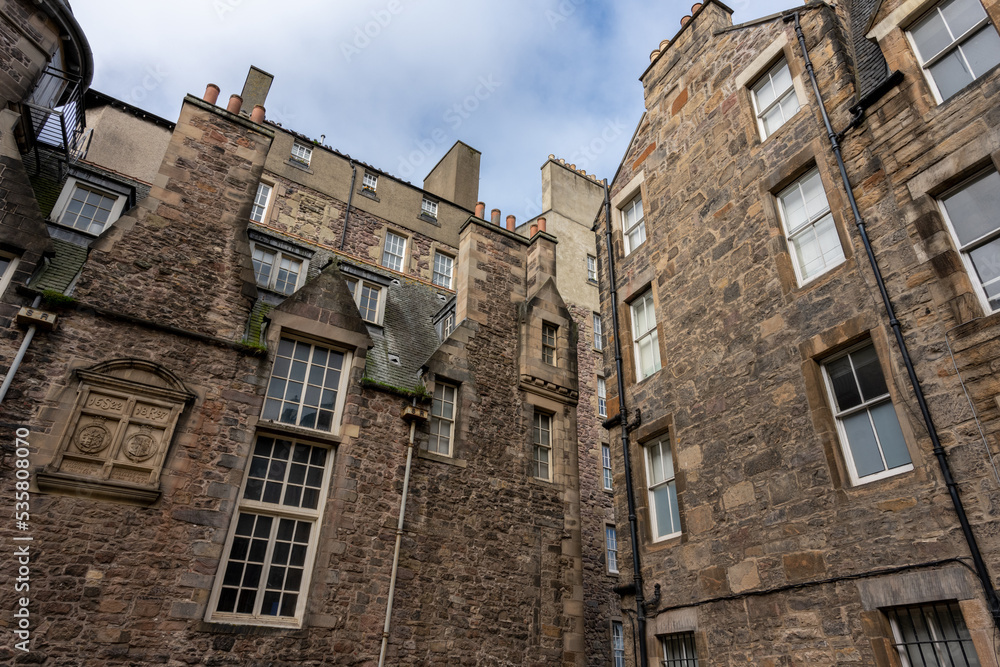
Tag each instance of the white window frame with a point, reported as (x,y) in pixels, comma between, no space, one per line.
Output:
(550,344)
(591,268)
(608,475)
(779,97)
(669,480)
(61,208)
(8,274)
(446,324)
(352,286)
(440,419)
(301,153)
(602,397)
(429,207)
(369,182)
(338,406)
(390,256)
(638,225)
(865,406)
(447,277)
(611,548)
(277,512)
(541,445)
(258,212)
(275,267)
(814,219)
(926,62)
(598,333)
(929,617)
(640,306)
(967,249)
(617,644)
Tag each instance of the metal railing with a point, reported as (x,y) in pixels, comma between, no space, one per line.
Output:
(54,116)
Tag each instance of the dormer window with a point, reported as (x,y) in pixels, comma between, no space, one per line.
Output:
(276,270)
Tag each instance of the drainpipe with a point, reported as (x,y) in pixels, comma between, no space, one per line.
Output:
(350,198)
(412,415)
(977,558)
(640,607)
(16,363)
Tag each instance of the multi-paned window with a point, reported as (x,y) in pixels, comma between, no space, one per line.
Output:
(591,268)
(774,98)
(369,182)
(664,514)
(260,202)
(549,343)
(541,446)
(598,333)
(869,431)
(618,643)
(606,466)
(305,385)
(442,419)
(809,227)
(633,224)
(429,207)
(611,548)
(932,635)
(647,348)
(89,209)
(679,650)
(394,252)
(302,153)
(8,264)
(971,211)
(368,297)
(444,268)
(955,44)
(276,270)
(602,397)
(264,575)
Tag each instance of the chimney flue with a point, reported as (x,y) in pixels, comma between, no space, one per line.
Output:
(211,94)
(533,229)
(481,210)
(257,115)
(511,222)
(541,224)
(235,102)
(495,217)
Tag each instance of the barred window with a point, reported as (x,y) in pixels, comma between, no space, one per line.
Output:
(679,650)
(932,635)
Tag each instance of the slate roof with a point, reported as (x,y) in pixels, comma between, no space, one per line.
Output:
(869,63)
(62,268)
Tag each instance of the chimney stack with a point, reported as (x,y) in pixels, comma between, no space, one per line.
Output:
(255,89)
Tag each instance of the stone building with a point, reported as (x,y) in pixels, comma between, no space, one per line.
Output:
(793,497)
(284,408)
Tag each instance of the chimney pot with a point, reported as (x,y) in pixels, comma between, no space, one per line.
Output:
(684,21)
(533,229)
(653,55)
(257,115)
(495,217)
(211,94)
(235,102)
(664,44)
(695,7)
(541,224)
(511,222)
(481,210)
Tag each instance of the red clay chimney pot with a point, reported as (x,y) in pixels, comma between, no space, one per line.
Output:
(541,224)
(211,94)
(495,217)
(511,222)
(257,115)
(481,210)
(235,102)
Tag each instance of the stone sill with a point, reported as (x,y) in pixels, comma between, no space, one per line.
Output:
(447,460)
(291,162)
(368,193)
(428,218)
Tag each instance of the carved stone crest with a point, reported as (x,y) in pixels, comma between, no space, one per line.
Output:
(142,445)
(92,438)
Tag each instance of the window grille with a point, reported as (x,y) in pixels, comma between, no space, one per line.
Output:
(679,650)
(932,635)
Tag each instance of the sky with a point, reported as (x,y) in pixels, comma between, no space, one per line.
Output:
(394,83)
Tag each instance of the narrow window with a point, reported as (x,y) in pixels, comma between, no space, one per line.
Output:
(606,465)
(933,635)
(304,386)
(549,343)
(443,269)
(429,207)
(663,512)
(442,419)
(679,650)
(394,253)
(302,153)
(369,182)
(618,643)
(647,348)
(541,450)
(8,264)
(591,268)
(971,211)
(633,224)
(955,44)
(602,398)
(265,573)
(774,99)
(611,548)
(809,227)
(260,202)
(446,324)
(598,333)
(866,421)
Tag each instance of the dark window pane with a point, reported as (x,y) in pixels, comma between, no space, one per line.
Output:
(272,492)
(234,572)
(245,605)
(227,600)
(270,606)
(288,601)
(292,495)
(254,489)
(869,373)
(845,389)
